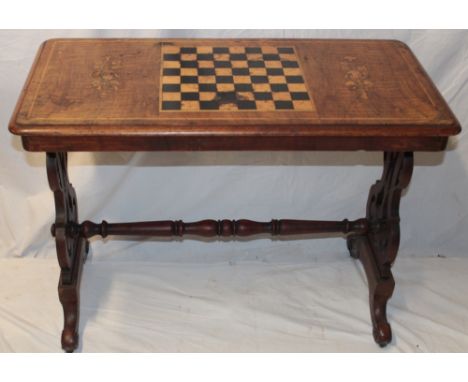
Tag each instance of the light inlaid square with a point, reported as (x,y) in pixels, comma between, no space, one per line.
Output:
(205,64)
(221,57)
(297,88)
(239,64)
(228,107)
(237,49)
(266,105)
(225,87)
(282,96)
(258,71)
(273,64)
(301,105)
(261,87)
(292,71)
(223,71)
(242,80)
(204,49)
(171,64)
(190,105)
(254,57)
(171,80)
(246,96)
(207,96)
(207,79)
(188,72)
(269,50)
(277,79)
(186,88)
(169,96)
(188,57)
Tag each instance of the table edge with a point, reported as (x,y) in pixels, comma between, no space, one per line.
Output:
(325,128)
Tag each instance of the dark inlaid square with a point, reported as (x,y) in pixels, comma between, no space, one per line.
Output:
(246,105)
(171,72)
(209,105)
(290,64)
(190,96)
(224,79)
(240,71)
(259,79)
(256,64)
(207,87)
(238,57)
(243,87)
(222,64)
(188,50)
(170,88)
(206,72)
(188,64)
(294,79)
(253,50)
(299,96)
(220,50)
(171,105)
(284,105)
(189,79)
(279,87)
(263,96)
(275,71)
(172,57)
(205,57)
(227,97)
(285,50)
(271,57)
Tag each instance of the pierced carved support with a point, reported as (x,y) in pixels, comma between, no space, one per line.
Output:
(383,207)
(71,249)
(213,228)
(377,250)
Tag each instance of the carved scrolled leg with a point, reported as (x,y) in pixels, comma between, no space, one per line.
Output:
(380,290)
(69,295)
(71,248)
(377,250)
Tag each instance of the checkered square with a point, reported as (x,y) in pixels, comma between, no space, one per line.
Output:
(207,78)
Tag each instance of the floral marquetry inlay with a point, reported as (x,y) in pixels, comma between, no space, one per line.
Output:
(105,77)
(356,77)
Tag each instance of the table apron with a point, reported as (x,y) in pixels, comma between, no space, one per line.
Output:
(237,143)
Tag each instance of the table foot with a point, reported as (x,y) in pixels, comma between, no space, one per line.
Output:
(380,290)
(69,296)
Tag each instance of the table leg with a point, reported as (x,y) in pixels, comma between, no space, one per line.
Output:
(378,249)
(71,248)
(375,243)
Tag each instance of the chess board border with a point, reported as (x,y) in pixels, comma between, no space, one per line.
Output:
(219,111)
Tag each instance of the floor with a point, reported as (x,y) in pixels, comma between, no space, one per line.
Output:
(279,299)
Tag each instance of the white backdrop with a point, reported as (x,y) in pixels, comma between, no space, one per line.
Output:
(259,295)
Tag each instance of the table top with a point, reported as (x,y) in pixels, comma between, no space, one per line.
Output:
(145,94)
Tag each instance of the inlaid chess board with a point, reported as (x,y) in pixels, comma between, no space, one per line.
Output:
(244,78)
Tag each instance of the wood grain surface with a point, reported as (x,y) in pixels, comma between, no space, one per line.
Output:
(86,92)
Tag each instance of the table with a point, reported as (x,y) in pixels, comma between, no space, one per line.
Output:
(246,94)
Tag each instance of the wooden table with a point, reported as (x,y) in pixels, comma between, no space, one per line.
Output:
(161,95)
